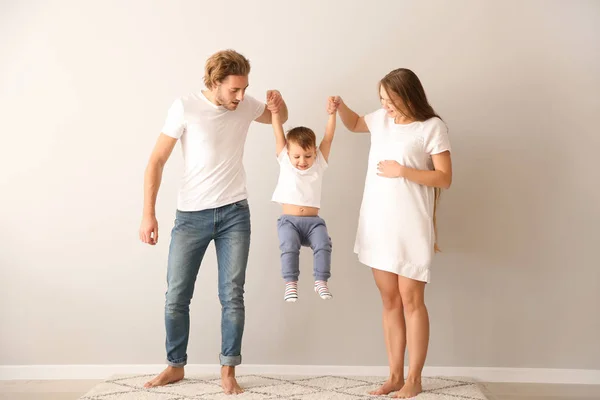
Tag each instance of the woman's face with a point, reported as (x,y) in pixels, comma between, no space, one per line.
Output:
(388,101)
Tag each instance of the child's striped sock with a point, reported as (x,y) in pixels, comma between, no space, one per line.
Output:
(291,291)
(322,290)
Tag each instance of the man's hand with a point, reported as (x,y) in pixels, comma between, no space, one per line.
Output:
(149,230)
(274,101)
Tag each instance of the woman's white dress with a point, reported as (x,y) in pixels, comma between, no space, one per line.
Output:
(395,228)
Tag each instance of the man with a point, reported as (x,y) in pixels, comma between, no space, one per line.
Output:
(212,205)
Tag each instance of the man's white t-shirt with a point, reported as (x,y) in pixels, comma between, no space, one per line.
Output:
(212,141)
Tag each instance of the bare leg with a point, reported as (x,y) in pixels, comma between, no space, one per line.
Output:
(228,381)
(169,375)
(394,330)
(417,323)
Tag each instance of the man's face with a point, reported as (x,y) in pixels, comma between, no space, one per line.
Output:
(230,92)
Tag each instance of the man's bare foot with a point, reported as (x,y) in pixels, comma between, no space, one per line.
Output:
(390,386)
(228,381)
(169,375)
(410,389)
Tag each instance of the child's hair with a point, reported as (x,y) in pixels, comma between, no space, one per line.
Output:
(303,137)
(222,64)
(407,86)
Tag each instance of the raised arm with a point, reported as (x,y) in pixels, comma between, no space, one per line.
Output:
(325,146)
(278,104)
(277,126)
(352,121)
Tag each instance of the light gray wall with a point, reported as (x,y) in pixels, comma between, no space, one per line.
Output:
(84,92)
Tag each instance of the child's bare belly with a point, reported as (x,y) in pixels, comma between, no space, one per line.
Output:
(300,211)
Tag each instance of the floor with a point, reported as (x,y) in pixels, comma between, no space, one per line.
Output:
(72,389)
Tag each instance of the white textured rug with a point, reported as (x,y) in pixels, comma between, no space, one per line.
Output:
(203,387)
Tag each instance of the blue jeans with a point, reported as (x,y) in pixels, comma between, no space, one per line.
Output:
(229,227)
(295,232)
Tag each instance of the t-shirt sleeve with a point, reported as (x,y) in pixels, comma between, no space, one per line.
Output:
(174,125)
(282,155)
(436,140)
(321,160)
(255,107)
(375,120)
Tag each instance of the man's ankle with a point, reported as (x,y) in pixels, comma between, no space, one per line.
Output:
(227,370)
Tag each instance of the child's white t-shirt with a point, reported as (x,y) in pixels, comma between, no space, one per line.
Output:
(299,187)
(212,142)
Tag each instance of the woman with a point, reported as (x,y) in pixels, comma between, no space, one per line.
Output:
(409,162)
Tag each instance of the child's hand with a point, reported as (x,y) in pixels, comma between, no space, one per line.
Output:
(333,102)
(271,107)
(274,101)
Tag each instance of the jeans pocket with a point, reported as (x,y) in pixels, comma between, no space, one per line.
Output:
(242,204)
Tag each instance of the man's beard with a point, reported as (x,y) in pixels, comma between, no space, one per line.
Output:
(231,106)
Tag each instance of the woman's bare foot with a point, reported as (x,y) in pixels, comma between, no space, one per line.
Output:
(228,381)
(169,375)
(390,386)
(410,389)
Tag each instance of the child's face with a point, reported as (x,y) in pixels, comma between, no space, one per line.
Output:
(300,158)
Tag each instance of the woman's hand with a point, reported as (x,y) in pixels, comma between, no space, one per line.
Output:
(390,169)
(333,102)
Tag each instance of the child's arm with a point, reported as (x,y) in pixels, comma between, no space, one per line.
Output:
(325,146)
(277,130)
